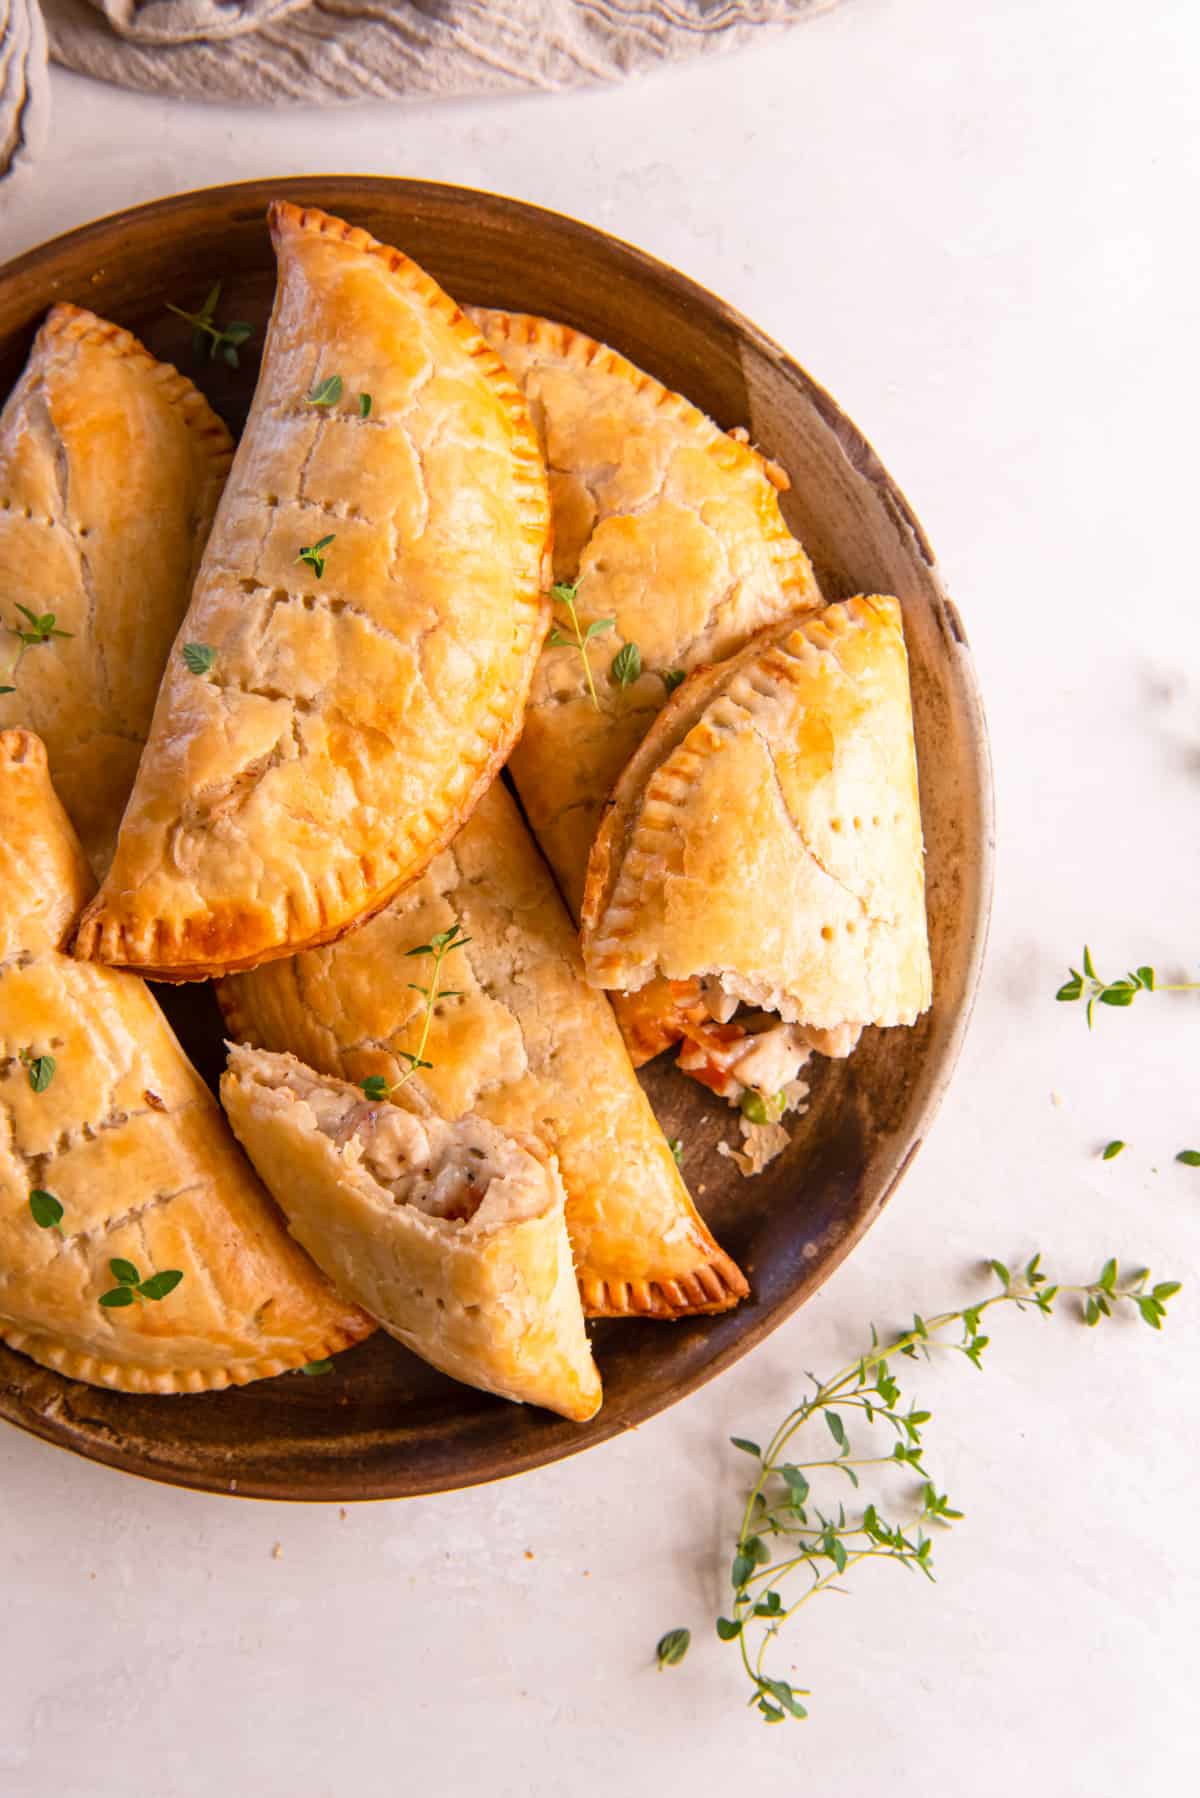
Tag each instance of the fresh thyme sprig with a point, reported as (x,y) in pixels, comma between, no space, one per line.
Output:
(42,629)
(46,1210)
(439,946)
(626,666)
(131,1286)
(312,554)
(672,1647)
(208,337)
(326,393)
(564,593)
(784,1534)
(672,678)
(198,657)
(39,1069)
(1087,985)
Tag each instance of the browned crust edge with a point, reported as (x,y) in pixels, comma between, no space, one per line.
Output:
(203,948)
(77,325)
(167,1382)
(718,1285)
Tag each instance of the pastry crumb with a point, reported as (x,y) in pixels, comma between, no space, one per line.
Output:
(529,1554)
(277,1552)
(342,1512)
(762,1143)
(1057,1099)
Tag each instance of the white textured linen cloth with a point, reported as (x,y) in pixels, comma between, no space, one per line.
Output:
(278,51)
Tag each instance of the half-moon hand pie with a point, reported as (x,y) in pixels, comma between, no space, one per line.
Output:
(117,1170)
(365,625)
(523,1042)
(111,465)
(452,1235)
(763,854)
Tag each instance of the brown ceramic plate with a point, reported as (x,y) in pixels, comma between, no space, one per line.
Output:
(383,1425)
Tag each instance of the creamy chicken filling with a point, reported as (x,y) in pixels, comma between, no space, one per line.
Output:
(750,1057)
(444,1170)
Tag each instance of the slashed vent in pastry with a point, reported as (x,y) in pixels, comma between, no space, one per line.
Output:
(763,854)
(111,465)
(523,1042)
(671,530)
(452,1235)
(115,1160)
(368,613)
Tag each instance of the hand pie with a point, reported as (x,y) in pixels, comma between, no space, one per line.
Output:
(452,1235)
(111,465)
(523,1043)
(114,1158)
(671,529)
(368,614)
(763,850)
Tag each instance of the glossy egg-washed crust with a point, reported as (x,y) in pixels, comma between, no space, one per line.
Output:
(350,721)
(111,465)
(495,1306)
(768,830)
(526,1045)
(671,527)
(129,1140)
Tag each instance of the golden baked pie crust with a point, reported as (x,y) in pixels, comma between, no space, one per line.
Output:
(351,719)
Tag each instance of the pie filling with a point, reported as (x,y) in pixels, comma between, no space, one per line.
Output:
(465,1173)
(747,1055)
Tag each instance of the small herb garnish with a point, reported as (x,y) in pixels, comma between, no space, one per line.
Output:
(439,946)
(210,338)
(1089,986)
(41,629)
(311,553)
(784,1533)
(626,666)
(762,1108)
(1189,1157)
(672,678)
(39,1069)
(314,1369)
(364,405)
(46,1209)
(564,593)
(672,1647)
(130,1285)
(326,393)
(199,657)
(1112,1150)
(675,1144)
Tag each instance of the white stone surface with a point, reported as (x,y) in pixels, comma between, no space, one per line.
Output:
(976,225)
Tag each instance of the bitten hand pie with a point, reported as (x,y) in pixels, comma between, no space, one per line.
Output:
(115,1160)
(365,625)
(670,530)
(111,465)
(763,851)
(452,1235)
(523,1042)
